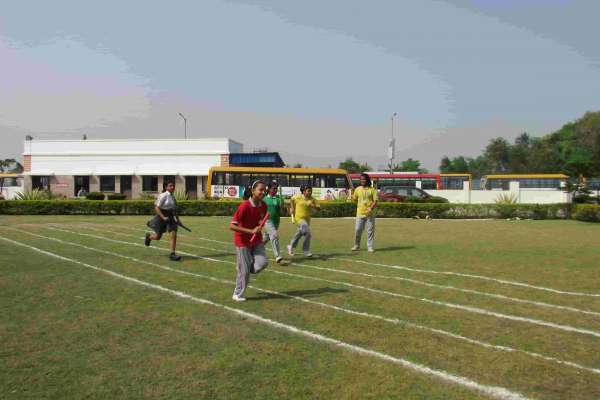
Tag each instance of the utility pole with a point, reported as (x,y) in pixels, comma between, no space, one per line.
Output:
(392,146)
(184,125)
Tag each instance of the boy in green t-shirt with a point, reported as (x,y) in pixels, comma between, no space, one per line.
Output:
(274,204)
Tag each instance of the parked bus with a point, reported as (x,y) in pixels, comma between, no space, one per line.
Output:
(328,184)
(415,179)
(526,181)
(455,181)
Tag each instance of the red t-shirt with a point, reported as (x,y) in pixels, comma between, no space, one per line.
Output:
(248,216)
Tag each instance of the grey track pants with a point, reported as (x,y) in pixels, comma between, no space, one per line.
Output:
(359,228)
(249,260)
(303,230)
(271,233)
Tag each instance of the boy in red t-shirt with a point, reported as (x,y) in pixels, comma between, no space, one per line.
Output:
(251,256)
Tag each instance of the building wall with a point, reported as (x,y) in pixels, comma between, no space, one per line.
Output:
(63,159)
(524,196)
(62,185)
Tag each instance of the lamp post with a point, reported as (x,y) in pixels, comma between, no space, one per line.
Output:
(392,146)
(184,125)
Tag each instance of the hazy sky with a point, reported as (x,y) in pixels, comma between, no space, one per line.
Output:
(315,80)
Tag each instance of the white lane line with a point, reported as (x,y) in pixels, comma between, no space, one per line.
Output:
(394,321)
(414,281)
(492,391)
(474,310)
(429,271)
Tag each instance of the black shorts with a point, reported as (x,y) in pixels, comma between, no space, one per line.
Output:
(160,226)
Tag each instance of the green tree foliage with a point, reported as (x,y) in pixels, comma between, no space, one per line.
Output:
(409,165)
(353,167)
(574,150)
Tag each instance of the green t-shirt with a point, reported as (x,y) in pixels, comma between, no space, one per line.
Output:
(274,204)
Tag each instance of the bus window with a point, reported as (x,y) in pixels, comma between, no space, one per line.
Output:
(318,181)
(341,182)
(282,180)
(430,184)
(218,178)
(299,180)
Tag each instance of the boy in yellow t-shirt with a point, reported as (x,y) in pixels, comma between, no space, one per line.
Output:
(366,197)
(302,207)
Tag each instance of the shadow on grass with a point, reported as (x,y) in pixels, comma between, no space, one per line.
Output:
(327,256)
(298,293)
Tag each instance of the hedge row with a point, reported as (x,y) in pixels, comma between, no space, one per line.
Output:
(587,212)
(329,209)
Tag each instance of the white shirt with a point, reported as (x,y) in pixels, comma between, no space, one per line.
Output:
(166,201)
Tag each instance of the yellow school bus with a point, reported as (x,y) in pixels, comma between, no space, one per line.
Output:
(455,181)
(327,184)
(526,181)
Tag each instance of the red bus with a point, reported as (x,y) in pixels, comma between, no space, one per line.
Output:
(415,179)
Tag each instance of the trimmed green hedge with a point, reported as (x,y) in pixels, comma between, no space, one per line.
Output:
(329,209)
(116,196)
(587,213)
(95,196)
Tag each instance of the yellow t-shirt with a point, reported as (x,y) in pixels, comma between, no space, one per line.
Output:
(302,207)
(365,197)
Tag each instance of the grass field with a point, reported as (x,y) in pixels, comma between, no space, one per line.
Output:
(442,310)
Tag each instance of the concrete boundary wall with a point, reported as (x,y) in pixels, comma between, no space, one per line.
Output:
(523,196)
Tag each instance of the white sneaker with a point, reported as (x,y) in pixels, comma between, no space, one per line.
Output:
(371,250)
(308,255)
(278,259)
(290,250)
(235,297)
(355,248)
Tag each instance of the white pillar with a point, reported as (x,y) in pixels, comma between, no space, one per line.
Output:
(515,190)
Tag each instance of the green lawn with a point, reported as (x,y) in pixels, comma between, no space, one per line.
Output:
(491,307)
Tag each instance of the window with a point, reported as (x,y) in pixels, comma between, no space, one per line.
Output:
(218,178)
(107,183)
(191,184)
(40,182)
(299,180)
(453,182)
(125,183)
(429,184)
(150,183)
(282,180)
(498,184)
(81,182)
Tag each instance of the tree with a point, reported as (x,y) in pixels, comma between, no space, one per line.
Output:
(297,165)
(353,167)
(410,165)
(460,165)
(496,153)
(445,165)
(579,163)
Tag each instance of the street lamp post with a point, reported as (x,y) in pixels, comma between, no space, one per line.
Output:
(392,146)
(184,125)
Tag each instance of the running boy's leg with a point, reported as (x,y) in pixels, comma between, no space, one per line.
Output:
(260,258)
(305,228)
(358,230)
(244,263)
(296,238)
(272,234)
(370,231)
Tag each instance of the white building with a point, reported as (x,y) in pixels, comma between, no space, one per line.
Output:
(129,166)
